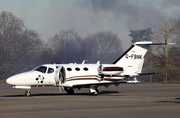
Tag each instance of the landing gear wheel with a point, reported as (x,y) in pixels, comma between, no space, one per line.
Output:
(96,92)
(28,93)
(93,90)
(70,91)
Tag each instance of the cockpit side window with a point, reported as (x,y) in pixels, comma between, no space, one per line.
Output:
(50,70)
(41,69)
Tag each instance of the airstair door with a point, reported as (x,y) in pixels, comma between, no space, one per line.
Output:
(60,77)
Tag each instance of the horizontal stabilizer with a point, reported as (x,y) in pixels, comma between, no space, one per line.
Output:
(151,43)
(140,74)
(149,73)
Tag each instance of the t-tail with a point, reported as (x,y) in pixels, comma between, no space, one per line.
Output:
(132,60)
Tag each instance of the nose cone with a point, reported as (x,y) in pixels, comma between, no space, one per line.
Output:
(8,80)
(18,79)
(12,80)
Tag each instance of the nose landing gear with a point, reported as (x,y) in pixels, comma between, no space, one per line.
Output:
(28,93)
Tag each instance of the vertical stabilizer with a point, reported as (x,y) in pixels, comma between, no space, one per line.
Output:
(132,60)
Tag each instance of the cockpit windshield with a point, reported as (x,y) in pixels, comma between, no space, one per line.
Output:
(41,69)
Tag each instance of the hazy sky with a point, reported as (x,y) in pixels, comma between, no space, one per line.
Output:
(47,17)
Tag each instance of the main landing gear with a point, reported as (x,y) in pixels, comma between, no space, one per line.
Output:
(93,90)
(69,91)
(28,93)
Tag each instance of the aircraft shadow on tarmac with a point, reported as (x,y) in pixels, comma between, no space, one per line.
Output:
(177,100)
(111,93)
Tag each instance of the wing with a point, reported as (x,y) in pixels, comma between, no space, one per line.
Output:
(111,83)
(98,84)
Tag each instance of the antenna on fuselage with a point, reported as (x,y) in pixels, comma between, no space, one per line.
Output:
(98,62)
(84,61)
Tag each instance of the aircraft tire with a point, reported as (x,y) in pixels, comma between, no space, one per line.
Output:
(70,91)
(96,93)
(28,93)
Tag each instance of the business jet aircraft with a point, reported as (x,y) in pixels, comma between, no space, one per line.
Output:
(70,76)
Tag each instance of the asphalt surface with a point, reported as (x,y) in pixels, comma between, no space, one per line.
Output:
(126,101)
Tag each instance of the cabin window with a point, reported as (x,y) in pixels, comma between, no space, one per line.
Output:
(77,69)
(41,69)
(50,70)
(85,68)
(69,69)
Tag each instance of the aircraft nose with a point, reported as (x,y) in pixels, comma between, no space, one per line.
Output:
(15,79)
(11,80)
(20,79)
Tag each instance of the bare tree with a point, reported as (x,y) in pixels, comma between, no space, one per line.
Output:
(174,51)
(17,44)
(10,27)
(65,45)
(68,47)
(106,45)
(89,49)
(166,29)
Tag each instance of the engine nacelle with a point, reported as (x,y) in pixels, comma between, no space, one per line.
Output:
(110,70)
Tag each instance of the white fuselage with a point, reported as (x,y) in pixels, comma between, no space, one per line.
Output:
(76,74)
